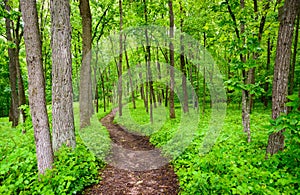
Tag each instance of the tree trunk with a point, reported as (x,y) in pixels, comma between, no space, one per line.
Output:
(85,94)
(287,18)
(129,75)
(294,59)
(182,65)
(245,93)
(103,91)
(62,92)
(266,87)
(21,90)
(160,96)
(120,59)
(171,47)
(37,100)
(12,54)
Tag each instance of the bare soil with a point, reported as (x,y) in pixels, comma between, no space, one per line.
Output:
(134,166)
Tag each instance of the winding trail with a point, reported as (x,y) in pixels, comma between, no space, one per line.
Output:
(135,166)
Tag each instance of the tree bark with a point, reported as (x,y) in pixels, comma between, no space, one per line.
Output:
(287,18)
(85,94)
(37,100)
(294,59)
(12,54)
(171,48)
(245,93)
(182,64)
(62,92)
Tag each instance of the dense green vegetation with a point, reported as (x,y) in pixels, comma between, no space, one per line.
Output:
(179,62)
(233,166)
(73,169)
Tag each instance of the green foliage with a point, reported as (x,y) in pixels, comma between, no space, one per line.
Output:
(72,171)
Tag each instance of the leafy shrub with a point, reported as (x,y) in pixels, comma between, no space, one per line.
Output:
(73,169)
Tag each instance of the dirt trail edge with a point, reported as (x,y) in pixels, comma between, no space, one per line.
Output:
(124,173)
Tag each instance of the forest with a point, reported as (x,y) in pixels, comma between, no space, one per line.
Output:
(149,97)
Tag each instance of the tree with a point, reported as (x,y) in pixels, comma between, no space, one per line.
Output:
(171,47)
(36,86)
(85,94)
(12,53)
(62,93)
(182,65)
(149,84)
(287,16)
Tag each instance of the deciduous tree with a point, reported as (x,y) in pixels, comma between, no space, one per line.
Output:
(36,86)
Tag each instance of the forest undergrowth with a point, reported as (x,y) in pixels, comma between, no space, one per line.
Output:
(233,166)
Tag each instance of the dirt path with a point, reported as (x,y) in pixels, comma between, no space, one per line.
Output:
(135,166)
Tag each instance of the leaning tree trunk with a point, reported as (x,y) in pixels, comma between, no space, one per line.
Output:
(62,92)
(12,52)
(85,94)
(281,70)
(37,100)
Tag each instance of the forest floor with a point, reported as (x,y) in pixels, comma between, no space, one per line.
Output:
(132,171)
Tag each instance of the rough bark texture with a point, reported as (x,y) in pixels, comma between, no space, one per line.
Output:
(62,92)
(85,94)
(37,100)
(12,52)
(293,64)
(287,18)
(171,46)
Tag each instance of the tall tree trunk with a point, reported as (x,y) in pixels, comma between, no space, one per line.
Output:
(294,59)
(85,94)
(148,61)
(129,75)
(103,91)
(266,87)
(171,47)
(62,91)
(120,59)
(160,96)
(182,64)
(37,100)
(12,54)
(245,93)
(21,90)
(287,18)
(142,91)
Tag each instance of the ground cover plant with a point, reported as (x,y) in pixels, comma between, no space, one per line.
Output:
(233,166)
(73,169)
